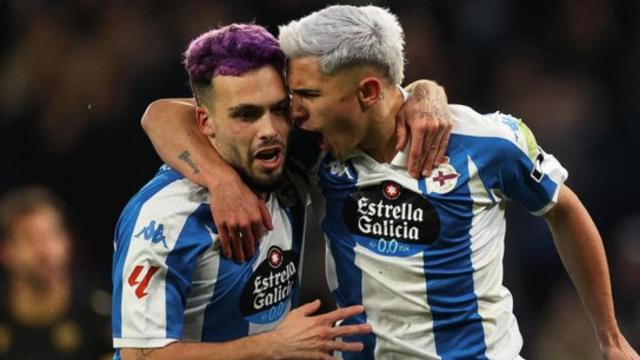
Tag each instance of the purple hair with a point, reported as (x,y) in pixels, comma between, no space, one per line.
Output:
(231,50)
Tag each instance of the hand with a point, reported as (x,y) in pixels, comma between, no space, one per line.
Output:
(429,120)
(240,216)
(619,350)
(301,336)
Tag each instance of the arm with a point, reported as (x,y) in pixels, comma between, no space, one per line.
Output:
(580,248)
(170,124)
(429,120)
(299,336)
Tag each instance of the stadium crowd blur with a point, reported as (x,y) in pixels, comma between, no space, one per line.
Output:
(76,77)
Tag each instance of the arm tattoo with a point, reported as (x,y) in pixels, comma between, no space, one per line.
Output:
(143,354)
(185,156)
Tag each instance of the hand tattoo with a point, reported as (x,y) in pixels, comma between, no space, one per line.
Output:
(185,156)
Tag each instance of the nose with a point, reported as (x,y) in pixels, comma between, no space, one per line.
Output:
(268,130)
(299,113)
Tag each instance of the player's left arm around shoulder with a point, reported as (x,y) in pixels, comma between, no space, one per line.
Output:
(580,247)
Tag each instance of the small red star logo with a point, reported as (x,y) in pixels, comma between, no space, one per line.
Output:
(275,257)
(391,190)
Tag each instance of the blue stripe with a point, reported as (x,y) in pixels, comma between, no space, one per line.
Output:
(123,235)
(336,189)
(448,270)
(181,263)
(503,165)
(223,320)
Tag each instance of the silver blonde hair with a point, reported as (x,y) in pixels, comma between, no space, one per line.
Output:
(343,35)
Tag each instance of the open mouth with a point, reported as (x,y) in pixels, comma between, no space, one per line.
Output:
(268,155)
(270,158)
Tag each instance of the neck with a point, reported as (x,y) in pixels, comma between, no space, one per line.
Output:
(380,140)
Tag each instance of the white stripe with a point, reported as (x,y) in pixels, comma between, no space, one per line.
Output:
(495,305)
(145,318)
(203,284)
(394,293)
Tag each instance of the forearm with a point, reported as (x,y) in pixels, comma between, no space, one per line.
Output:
(171,126)
(249,348)
(580,247)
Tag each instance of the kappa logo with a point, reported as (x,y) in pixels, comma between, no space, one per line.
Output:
(510,121)
(141,284)
(153,233)
(443,179)
(339,168)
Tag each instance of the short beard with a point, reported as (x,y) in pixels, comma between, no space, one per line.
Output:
(257,185)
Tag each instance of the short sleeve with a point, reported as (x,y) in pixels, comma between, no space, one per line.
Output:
(528,174)
(157,247)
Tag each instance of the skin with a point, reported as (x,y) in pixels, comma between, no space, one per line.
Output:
(37,255)
(35,259)
(355,107)
(246,115)
(249,118)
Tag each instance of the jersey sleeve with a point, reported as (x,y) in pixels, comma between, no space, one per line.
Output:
(155,257)
(528,174)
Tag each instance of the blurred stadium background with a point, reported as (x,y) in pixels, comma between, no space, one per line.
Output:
(76,76)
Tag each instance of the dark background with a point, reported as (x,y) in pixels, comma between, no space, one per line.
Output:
(76,76)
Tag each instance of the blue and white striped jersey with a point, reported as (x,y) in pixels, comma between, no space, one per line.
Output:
(170,282)
(425,256)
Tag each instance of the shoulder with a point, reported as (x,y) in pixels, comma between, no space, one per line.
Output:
(503,131)
(168,199)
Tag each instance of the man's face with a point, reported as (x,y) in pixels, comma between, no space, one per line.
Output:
(38,247)
(250,125)
(327,104)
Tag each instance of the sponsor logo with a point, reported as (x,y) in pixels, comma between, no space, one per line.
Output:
(264,298)
(141,282)
(391,190)
(401,221)
(443,179)
(153,233)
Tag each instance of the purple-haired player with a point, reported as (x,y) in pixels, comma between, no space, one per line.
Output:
(174,295)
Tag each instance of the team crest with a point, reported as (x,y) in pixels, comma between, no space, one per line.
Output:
(443,179)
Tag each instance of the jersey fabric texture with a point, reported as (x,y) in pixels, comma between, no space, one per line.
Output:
(425,256)
(170,282)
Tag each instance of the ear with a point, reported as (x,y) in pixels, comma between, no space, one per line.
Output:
(369,91)
(204,121)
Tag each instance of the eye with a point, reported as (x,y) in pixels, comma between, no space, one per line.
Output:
(307,94)
(282,109)
(246,115)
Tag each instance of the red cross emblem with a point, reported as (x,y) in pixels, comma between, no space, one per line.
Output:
(442,178)
(391,190)
(275,257)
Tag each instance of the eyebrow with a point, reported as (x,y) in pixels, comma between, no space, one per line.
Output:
(305,91)
(254,107)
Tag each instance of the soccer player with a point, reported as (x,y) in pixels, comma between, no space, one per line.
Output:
(174,296)
(425,256)
(45,300)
